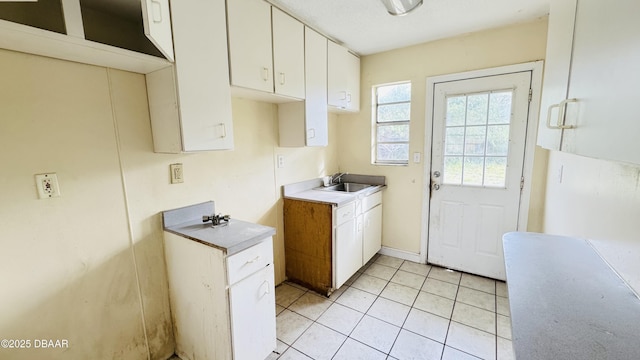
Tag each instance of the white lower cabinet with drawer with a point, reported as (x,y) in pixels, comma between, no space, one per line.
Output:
(358,236)
(223,307)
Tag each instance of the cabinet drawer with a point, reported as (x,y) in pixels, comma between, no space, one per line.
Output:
(345,213)
(371,201)
(248,261)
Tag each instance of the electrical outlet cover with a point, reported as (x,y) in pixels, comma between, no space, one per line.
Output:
(47,185)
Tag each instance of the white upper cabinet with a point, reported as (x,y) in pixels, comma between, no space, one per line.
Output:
(305,123)
(288,55)
(556,71)
(598,112)
(343,78)
(90,31)
(250,51)
(190,102)
(266,50)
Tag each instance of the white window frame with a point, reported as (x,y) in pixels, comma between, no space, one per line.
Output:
(376,125)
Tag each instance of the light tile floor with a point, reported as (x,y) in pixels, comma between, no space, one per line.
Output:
(396,309)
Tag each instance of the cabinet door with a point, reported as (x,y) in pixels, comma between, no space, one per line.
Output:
(250,54)
(316,118)
(605,73)
(353,82)
(372,238)
(343,78)
(197,88)
(347,250)
(336,79)
(556,69)
(157,25)
(253,316)
(288,55)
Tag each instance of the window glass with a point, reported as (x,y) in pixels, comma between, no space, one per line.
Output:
(476,139)
(391,115)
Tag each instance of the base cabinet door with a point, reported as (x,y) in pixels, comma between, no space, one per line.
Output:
(347,250)
(372,237)
(253,323)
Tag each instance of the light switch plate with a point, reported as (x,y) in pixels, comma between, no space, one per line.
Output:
(177,176)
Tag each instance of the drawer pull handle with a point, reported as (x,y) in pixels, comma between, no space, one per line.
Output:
(253,260)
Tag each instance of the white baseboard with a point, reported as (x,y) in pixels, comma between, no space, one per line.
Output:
(401,254)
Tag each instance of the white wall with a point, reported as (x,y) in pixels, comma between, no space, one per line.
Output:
(403,198)
(68,265)
(597,200)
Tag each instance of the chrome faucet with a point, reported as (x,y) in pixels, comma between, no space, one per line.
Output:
(336,178)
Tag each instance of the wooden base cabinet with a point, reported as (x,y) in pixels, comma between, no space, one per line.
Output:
(223,307)
(326,244)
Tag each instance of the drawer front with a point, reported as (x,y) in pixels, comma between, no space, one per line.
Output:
(345,213)
(250,260)
(371,201)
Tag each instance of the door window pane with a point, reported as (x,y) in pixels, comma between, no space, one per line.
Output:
(500,108)
(454,141)
(477,109)
(452,170)
(456,110)
(475,140)
(498,140)
(476,143)
(495,171)
(473,171)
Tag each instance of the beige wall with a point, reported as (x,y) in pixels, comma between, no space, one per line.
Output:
(403,198)
(67,265)
(600,201)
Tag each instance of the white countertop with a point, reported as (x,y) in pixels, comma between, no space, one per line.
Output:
(311,190)
(566,302)
(233,237)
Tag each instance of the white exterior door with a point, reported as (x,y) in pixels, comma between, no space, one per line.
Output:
(479,133)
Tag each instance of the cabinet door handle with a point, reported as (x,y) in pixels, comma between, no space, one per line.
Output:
(224,130)
(311,133)
(282,78)
(561,109)
(265,73)
(253,260)
(156,11)
(348,97)
(268,287)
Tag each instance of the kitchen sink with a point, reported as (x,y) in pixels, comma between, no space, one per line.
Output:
(346,187)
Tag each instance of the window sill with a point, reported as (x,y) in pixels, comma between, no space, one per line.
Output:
(390,164)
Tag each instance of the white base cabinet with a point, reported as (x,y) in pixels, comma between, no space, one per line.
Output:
(347,248)
(253,315)
(223,307)
(358,236)
(372,226)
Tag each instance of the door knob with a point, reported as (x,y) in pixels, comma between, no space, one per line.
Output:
(436,174)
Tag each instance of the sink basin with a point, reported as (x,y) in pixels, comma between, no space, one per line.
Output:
(346,187)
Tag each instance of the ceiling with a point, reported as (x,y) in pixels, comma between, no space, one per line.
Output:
(365,27)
